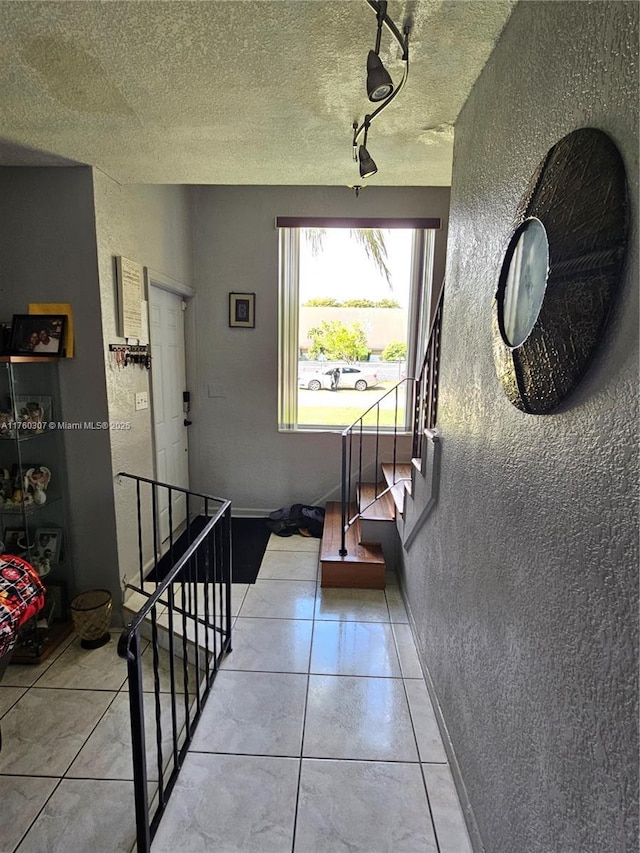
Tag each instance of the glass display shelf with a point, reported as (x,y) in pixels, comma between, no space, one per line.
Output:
(33,491)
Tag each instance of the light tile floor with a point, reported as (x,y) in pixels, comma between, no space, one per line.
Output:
(318,737)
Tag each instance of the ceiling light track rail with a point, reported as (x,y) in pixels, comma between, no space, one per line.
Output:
(380,8)
(380,86)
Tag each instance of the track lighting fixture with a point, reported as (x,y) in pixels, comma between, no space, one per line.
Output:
(379,82)
(380,88)
(367,166)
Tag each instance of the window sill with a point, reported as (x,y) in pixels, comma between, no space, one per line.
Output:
(337,430)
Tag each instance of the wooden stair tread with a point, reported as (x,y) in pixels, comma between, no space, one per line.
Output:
(331,540)
(382,509)
(402,471)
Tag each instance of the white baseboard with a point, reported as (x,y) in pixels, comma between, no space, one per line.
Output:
(469,817)
(250,512)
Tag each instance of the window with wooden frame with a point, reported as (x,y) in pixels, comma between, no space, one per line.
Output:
(354,298)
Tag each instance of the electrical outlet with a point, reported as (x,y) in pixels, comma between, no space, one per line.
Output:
(142,400)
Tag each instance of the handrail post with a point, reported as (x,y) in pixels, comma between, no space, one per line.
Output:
(140,550)
(141,798)
(343,507)
(416,418)
(227,557)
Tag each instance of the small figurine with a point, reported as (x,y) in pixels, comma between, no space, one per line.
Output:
(36,482)
(32,414)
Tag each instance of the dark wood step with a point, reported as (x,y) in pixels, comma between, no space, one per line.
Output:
(382,509)
(363,567)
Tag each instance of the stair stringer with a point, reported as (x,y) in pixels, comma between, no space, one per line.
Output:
(419,505)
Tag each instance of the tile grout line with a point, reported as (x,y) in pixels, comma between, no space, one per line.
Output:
(40,810)
(314,621)
(306,698)
(304,715)
(59,778)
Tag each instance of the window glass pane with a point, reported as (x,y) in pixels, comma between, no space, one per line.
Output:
(354,311)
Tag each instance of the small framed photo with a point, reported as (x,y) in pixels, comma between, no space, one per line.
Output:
(242,310)
(33,414)
(47,545)
(15,542)
(38,334)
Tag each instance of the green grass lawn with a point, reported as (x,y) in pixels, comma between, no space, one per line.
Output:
(344,416)
(341,408)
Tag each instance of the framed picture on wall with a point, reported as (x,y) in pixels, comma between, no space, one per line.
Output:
(38,334)
(58,308)
(242,310)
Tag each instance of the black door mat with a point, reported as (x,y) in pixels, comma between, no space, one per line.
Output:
(249,537)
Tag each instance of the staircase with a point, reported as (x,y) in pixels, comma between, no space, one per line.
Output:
(365,532)
(364,566)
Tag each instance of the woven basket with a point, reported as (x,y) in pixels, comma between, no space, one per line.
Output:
(91,615)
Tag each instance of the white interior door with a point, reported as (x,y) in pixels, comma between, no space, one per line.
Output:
(168,381)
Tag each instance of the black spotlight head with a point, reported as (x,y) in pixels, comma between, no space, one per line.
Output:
(379,83)
(367,166)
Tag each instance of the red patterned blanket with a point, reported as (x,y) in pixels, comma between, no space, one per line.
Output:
(21,597)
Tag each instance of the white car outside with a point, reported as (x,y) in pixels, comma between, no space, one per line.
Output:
(350,377)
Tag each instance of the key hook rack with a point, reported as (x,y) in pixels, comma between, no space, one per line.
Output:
(125,355)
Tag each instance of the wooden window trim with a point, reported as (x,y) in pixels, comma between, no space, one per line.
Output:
(429,224)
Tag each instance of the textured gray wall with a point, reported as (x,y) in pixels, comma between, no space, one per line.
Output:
(523,584)
(60,229)
(48,254)
(237,450)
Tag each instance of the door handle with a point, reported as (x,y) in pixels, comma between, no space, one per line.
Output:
(187,423)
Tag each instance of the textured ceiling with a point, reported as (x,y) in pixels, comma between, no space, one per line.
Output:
(235,91)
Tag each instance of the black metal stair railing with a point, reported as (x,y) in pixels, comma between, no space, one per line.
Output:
(176,640)
(422,394)
(426,391)
(353,461)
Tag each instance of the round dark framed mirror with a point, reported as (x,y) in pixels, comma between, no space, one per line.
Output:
(561,271)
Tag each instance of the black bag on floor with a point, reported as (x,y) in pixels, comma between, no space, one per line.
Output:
(299,518)
(280,522)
